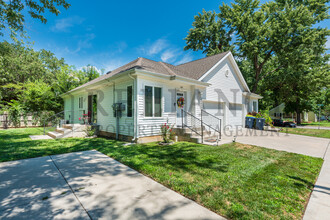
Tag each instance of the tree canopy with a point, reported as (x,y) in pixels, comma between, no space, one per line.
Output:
(275,43)
(12,13)
(36,79)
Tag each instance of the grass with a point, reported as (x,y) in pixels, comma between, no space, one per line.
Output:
(322,133)
(234,180)
(322,124)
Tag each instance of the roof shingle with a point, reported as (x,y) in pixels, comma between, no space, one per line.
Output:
(194,69)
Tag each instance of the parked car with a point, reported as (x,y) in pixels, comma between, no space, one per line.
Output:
(289,124)
(281,123)
(278,122)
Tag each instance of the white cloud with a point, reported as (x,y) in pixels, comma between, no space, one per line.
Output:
(113,64)
(154,48)
(64,25)
(185,59)
(82,44)
(169,55)
(86,68)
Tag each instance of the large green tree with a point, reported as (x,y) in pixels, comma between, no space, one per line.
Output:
(13,12)
(260,33)
(36,79)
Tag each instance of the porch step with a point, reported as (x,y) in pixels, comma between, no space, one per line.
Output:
(75,127)
(63,130)
(55,134)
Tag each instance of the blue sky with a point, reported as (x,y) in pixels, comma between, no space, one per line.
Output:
(108,34)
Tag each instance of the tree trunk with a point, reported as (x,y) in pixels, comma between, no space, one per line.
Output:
(255,86)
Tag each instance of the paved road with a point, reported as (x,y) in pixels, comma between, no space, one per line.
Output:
(93,186)
(314,127)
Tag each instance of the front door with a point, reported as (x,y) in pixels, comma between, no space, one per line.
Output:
(180,101)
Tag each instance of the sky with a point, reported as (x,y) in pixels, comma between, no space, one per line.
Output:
(109,34)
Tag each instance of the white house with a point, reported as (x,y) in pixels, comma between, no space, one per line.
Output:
(279,113)
(148,94)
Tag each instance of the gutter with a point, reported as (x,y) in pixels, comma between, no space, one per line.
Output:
(176,77)
(253,95)
(71,92)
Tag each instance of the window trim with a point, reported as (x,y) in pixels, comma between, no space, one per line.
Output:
(153,102)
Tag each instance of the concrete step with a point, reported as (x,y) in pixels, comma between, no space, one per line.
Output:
(63,130)
(75,127)
(55,134)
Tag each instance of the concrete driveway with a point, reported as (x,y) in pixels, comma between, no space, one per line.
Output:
(87,185)
(300,144)
(318,207)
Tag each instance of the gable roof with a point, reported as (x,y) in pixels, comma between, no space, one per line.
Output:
(197,68)
(193,70)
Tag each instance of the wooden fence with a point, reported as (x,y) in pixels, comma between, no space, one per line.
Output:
(5,123)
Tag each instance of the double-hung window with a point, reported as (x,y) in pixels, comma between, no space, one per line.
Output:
(81,102)
(129,101)
(153,101)
(254,106)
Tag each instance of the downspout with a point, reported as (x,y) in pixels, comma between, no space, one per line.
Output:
(135,107)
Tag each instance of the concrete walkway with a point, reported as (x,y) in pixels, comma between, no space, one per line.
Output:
(87,185)
(318,207)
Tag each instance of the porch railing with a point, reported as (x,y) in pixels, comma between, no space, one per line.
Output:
(199,125)
(193,123)
(212,121)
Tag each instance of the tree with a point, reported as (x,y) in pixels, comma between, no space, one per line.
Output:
(262,33)
(38,96)
(209,34)
(12,13)
(302,80)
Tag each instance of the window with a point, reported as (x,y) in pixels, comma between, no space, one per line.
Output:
(254,106)
(81,102)
(129,101)
(153,101)
(148,101)
(158,102)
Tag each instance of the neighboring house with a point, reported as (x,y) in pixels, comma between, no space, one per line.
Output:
(278,113)
(147,93)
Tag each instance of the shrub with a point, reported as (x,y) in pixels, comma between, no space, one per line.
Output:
(90,131)
(15,110)
(167,132)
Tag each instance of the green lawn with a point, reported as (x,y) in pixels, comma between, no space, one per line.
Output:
(322,124)
(234,180)
(308,132)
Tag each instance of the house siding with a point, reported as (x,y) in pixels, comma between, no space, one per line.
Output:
(150,126)
(226,90)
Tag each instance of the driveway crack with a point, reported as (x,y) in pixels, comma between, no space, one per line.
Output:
(70,187)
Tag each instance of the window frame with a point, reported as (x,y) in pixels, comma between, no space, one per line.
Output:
(81,102)
(153,102)
(129,110)
(254,103)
